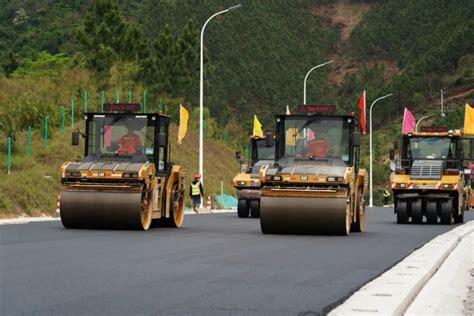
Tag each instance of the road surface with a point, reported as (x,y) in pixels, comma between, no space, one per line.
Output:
(216,264)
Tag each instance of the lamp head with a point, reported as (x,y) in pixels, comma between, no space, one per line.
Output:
(234,7)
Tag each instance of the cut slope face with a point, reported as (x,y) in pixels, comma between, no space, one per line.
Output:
(342,15)
(345,17)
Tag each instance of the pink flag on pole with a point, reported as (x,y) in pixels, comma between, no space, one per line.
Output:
(311,135)
(409,122)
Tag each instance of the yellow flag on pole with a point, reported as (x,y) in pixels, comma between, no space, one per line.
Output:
(469,120)
(257,127)
(183,123)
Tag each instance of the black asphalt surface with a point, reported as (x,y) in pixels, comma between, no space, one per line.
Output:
(215,264)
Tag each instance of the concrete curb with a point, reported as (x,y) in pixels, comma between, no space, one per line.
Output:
(393,291)
(446,291)
(27,220)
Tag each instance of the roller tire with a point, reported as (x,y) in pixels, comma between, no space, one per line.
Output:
(255,208)
(446,212)
(431,212)
(416,212)
(402,212)
(243,208)
(176,208)
(359,226)
(459,219)
(146,211)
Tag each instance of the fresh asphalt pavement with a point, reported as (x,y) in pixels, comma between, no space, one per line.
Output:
(214,264)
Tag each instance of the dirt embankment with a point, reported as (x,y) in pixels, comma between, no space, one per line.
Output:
(345,16)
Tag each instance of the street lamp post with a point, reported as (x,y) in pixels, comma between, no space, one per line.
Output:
(201,91)
(419,121)
(371,197)
(306,78)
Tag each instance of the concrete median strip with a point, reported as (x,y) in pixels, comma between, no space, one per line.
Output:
(401,290)
(446,291)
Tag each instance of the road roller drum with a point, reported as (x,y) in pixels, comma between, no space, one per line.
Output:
(102,209)
(304,215)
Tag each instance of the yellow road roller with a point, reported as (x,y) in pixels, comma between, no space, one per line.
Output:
(315,185)
(126,180)
(428,179)
(247,182)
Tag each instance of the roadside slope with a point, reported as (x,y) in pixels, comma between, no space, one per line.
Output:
(34,184)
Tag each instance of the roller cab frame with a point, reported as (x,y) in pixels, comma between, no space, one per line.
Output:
(432,181)
(315,185)
(118,187)
(247,182)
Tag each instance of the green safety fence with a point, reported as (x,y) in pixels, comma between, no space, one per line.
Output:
(102,100)
(9,155)
(29,143)
(46,130)
(225,200)
(72,113)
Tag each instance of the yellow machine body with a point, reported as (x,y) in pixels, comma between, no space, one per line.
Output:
(314,195)
(122,191)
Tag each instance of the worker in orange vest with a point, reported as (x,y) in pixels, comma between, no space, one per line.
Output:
(129,142)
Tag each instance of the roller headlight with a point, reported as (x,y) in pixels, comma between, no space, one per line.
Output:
(130,175)
(74,174)
(335,179)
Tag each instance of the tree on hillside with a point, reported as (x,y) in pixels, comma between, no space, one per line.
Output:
(10,63)
(107,37)
(171,63)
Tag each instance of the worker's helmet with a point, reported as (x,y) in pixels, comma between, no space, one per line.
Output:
(197,177)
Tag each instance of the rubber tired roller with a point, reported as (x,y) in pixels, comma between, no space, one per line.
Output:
(315,185)
(432,176)
(126,180)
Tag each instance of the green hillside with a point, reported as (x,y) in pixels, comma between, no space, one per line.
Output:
(256,58)
(259,54)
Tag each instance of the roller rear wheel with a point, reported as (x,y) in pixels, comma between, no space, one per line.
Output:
(446,212)
(416,213)
(146,210)
(359,226)
(176,207)
(431,212)
(255,208)
(459,219)
(243,208)
(402,212)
